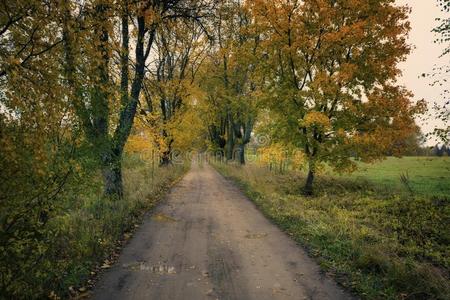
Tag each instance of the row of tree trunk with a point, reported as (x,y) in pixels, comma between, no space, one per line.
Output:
(91,93)
(231,136)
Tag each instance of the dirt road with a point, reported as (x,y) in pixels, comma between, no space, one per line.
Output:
(208,241)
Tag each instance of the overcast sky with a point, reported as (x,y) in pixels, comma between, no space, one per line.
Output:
(425,55)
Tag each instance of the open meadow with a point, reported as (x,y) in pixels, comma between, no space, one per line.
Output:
(425,175)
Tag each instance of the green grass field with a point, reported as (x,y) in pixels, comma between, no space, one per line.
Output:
(365,229)
(427,175)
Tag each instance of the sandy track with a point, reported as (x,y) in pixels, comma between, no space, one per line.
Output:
(208,241)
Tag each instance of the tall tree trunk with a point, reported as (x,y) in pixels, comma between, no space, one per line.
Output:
(96,120)
(74,89)
(165,159)
(229,146)
(128,112)
(216,137)
(123,129)
(308,188)
(124,56)
(243,131)
(241,154)
(166,156)
(112,174)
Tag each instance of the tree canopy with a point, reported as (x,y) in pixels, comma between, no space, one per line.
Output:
(321,73)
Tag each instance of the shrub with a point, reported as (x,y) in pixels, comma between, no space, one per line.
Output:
(81,229)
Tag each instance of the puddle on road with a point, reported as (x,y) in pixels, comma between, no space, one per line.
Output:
(255,235)
(163,218)
(137,266)
(163,269)
(160,268)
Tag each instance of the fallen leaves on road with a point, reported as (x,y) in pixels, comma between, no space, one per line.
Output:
(163,218)
(255,235)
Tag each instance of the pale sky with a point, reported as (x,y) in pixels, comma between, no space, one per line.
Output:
(424,56)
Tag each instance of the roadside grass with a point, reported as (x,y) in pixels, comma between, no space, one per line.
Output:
(89,233)
(88,228)
(376,241)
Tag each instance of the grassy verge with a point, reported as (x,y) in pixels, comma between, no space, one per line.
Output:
(87,230)
(105,222)
(380,244)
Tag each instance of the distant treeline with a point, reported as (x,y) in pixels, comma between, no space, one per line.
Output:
(437,150)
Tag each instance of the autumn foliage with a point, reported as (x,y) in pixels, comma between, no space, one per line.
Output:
(83,82)
(331,78)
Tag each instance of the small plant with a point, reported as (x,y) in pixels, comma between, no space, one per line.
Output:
(406,182)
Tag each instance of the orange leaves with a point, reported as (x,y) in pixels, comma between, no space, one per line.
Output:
(389,120)
(152,16)
(346,73)
(347,33)
(329,66)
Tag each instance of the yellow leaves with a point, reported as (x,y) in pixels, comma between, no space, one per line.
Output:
(298,159)
(317,119)
(370,146)
(277,154)
(274,153)
(347,166)
(106,264)
(137,143)
(188,129)
(142,141)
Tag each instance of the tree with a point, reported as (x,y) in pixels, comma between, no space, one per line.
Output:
(106,126)
(170,86)
(231,80)
(39,142)
(24,28)
(443,29)
(437,150)
(440,75)
(411,145)
(331,73)
(444,150)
